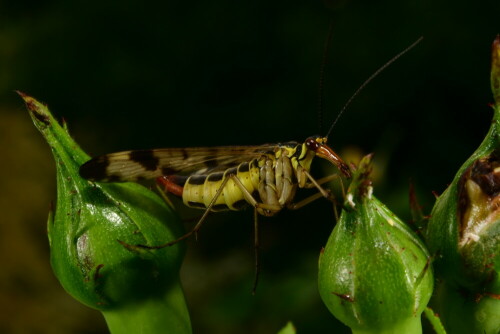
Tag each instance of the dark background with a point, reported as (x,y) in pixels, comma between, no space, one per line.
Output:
(129,75)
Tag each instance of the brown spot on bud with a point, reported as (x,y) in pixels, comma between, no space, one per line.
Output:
(39,116)
(31,105)
(345,297)
(97,274)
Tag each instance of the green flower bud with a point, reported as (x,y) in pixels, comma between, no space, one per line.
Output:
(463,234)
(374,273)
(134,288)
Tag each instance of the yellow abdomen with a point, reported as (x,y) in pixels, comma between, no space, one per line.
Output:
(199,190)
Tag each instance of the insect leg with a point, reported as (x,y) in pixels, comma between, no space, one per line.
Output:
(258,208)
(322,192)
(262,208)
(304,202)
(163,194)
(322,180)
(327,194)
(256,249)
(312,198)
(198,224)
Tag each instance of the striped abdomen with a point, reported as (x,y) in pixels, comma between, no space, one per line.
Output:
(199,190)
(270,183)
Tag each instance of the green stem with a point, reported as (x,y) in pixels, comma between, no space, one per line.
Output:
(434,320)
(410,326)
(165,314)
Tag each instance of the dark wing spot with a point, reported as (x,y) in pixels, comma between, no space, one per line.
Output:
(145,158)
(168,171)
(95,169)
(114,178)
(210,162)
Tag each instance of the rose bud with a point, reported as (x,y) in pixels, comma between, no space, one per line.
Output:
(137,290)
(374,273)
(463,234)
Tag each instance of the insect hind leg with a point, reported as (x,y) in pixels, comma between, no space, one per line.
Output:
(256,250)
(163,193)
(198,225)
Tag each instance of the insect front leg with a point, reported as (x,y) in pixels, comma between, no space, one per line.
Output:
(326,179)
(323,180)
(326,193)
(322,192)
(304,202)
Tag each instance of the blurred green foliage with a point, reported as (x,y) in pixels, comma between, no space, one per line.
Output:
(128,74)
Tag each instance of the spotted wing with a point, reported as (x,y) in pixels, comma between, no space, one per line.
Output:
(148,164)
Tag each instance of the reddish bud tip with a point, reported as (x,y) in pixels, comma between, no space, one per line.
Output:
(495,69)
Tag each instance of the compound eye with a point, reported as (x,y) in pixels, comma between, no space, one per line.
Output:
(312,144)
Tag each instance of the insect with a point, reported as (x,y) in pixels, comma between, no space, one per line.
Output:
(224,178)
(265,177)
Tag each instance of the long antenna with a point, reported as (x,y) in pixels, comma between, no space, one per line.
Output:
(367,81)
(324,61)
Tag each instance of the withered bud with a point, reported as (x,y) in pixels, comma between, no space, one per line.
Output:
(479,215)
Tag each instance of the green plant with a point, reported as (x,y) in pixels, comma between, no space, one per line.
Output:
(463,234)
(136,290)
(375,274)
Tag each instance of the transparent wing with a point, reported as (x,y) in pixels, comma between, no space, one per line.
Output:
(148,164)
